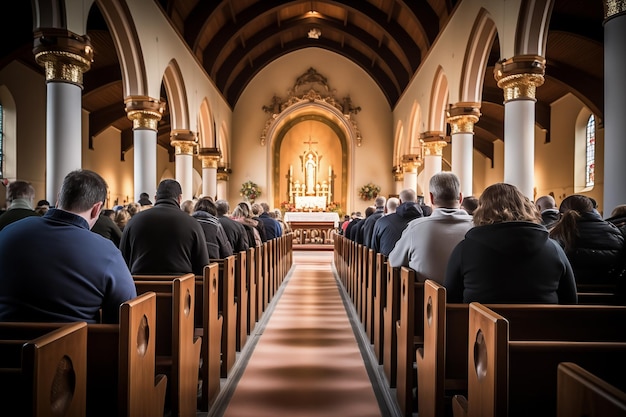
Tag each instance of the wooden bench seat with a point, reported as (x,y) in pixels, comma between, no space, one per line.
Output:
(43,370)
(517,377)
(177,346)
(121,378)
(582,394)
(228,309)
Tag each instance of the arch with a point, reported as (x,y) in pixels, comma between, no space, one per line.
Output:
(323,112)
(532,27)
(222,143)
(398,144)
(438,102)
(177,95)
(476,57)
(126,40)
(206,125)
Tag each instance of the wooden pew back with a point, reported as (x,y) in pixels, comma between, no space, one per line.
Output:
(177,346)
(44,369)
(228,308)
(121,378)
(582,394)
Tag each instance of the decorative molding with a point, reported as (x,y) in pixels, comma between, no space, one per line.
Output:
(145,112)
(613,8)
(65,56)
(462,117)
(520,76)
(310,87)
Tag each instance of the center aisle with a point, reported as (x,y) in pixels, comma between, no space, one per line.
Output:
(306,361)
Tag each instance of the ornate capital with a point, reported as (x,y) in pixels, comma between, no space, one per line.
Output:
(462,117)
(613,8)
(183,141)
(411,162)
(144,112)
(64,55)
(398,173)
(520,76)
(209,157)
(222,176)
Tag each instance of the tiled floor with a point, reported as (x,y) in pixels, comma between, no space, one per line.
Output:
(305,359)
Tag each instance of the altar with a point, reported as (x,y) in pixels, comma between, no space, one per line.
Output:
(312,227)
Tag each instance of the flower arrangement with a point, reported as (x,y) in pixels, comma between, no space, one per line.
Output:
(250,190)
(333,206)
(369,191)
(287,206)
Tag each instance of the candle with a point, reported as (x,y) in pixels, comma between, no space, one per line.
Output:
(290,170)
(330,171)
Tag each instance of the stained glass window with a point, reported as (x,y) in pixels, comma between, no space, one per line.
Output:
(590,152)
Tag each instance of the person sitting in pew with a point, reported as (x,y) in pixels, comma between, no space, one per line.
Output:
(508,256)
(217,242)
(54,269)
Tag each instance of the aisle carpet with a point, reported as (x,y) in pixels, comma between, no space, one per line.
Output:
(306,360)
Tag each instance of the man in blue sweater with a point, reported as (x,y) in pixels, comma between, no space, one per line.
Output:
(54,269)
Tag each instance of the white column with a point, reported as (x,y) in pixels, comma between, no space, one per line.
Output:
(519,78)
(433,158)
(184,143)
(614,105)
(222,186)
(145,114)
(145,158)
(210,158)
(519,145)
(462,117)
(65,56)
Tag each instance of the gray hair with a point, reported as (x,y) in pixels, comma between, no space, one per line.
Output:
(445,188)
(408,195)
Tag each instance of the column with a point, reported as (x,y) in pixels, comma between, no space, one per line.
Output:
(398,178)
(184,143)
(614,105)
(222,182)
(519,78)
(462,117)
(433,157)
(145,113)
(410,166)
(65,57)
(210,157)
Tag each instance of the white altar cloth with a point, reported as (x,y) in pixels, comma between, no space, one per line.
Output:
(312,202)
(303,216)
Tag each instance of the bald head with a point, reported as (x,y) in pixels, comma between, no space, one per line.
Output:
(545,202)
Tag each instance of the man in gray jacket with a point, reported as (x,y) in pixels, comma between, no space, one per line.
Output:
(426,243)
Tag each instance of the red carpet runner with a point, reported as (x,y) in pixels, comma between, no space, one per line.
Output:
(307,361)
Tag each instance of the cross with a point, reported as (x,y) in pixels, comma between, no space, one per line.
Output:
(310,142)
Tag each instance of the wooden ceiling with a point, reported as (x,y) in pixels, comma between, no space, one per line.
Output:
(235,39)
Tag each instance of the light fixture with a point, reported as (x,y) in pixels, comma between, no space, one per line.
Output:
(315,33)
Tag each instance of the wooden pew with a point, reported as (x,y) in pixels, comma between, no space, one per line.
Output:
(121,378)
(258,265)
(409,336)
(510,377)
(380,298)
(369,294)
(251,282)
(177,346)
(391,313)
(442,361)
(228,308)
(43,369)
(241,297)
(582,394)
(208,326)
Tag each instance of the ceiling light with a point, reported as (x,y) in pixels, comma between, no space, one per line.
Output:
(315,33)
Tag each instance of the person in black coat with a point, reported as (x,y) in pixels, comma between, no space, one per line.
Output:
(164,239)
(235,231)
(595,247)
(508,256)
(389,228)
(217,242)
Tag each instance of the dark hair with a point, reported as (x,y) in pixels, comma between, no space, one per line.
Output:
(206,204)
(144,195)
(222,207)
(469,204)
(81,189)
(571,209)
(20,190)
(169,189)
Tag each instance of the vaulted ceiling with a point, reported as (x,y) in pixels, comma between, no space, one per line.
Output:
(388,39)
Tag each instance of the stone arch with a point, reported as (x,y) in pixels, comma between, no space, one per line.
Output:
(477,54)
(531,35)
(438,102)
(177,96)
(325,113)
(398,144)
(206,126)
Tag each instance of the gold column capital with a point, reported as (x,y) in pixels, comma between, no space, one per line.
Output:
(65,56)
(520,76)
(462,116)
(145,112)
(209,157)
(183,141)
(398,173)
(433,143)
(613,8)
(411,162)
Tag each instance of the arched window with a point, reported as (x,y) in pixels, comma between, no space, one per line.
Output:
(590,151)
